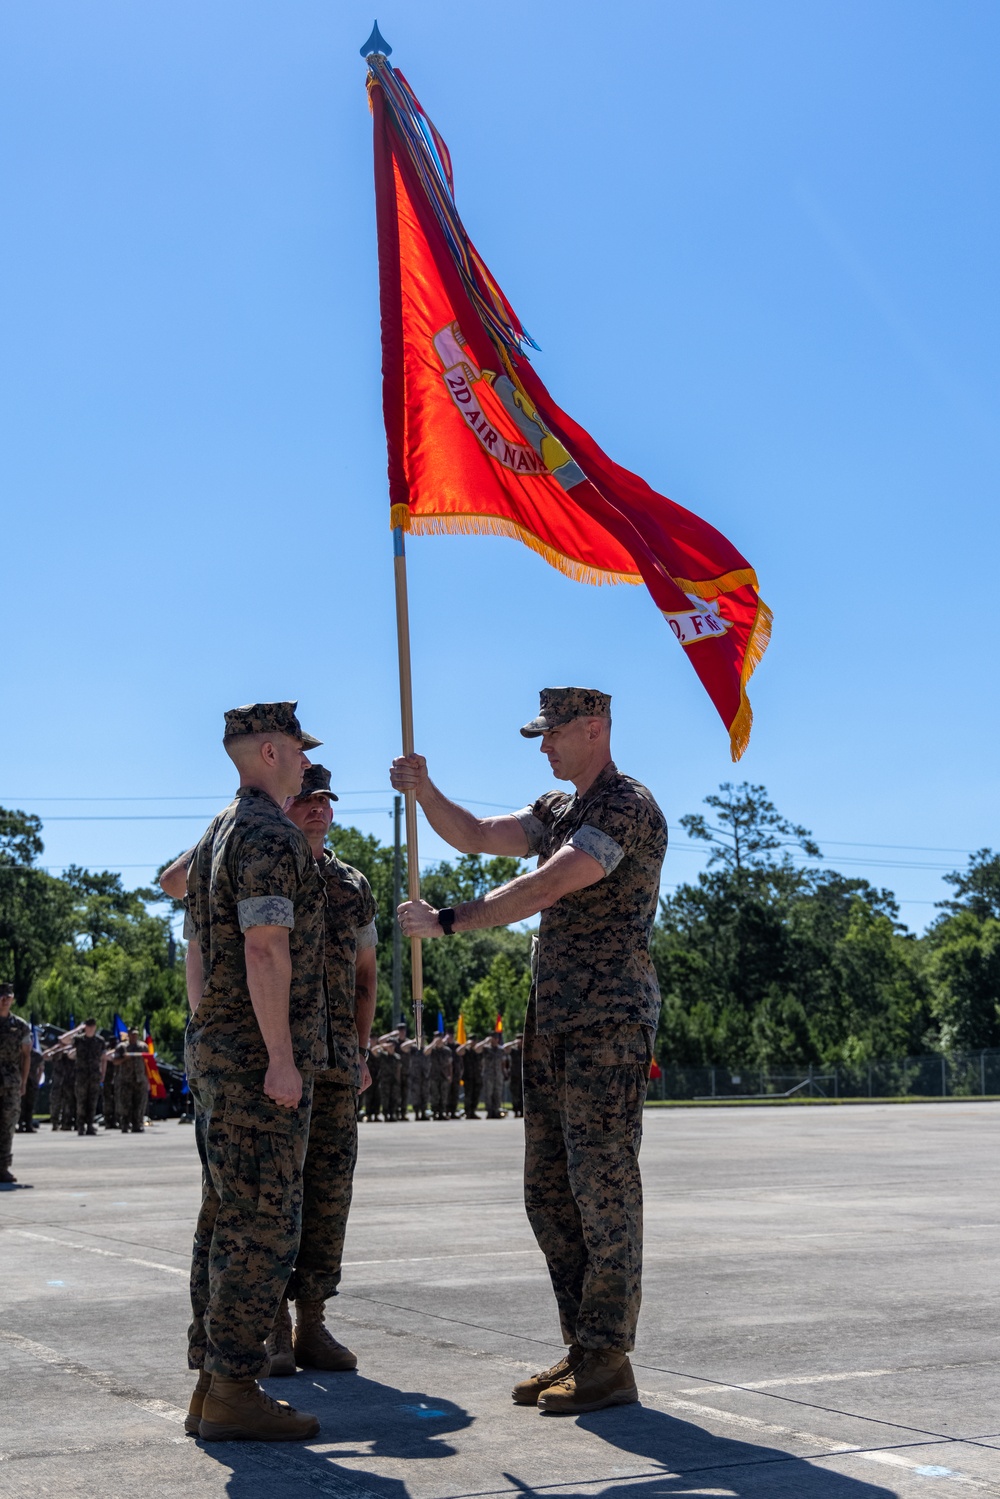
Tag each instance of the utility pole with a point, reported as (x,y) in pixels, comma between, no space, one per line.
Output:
(397,895)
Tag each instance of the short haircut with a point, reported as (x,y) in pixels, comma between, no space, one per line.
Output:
(91,1021)
(243,747)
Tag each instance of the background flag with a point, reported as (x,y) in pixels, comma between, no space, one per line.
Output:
(477,444)
(157,1087)
(121,1029)
(440,1023)
(461,1035)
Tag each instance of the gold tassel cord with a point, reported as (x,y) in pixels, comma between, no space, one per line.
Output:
(497,525)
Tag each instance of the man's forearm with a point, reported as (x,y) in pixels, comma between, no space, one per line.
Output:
(25,1066)
(365,997)
(515,901)
(194,978)
(269,979)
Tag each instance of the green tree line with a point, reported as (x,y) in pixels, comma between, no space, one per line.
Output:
(767,959)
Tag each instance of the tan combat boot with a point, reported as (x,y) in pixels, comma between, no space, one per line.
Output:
(192,1421)
(602,1377)
(314,1345)
(238,1410)
(279,1344)
(528,1391)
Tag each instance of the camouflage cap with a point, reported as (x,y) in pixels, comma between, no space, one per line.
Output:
(268,718)
(316,782)
(559,705)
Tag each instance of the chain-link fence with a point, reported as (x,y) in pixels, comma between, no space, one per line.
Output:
(968,1074)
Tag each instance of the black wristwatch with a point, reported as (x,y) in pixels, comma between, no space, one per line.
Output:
(446,921)
(365,1051)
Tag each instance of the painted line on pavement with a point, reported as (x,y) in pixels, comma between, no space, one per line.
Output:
(774,1384)
(109,1254)
(891,1457)
(106,1382)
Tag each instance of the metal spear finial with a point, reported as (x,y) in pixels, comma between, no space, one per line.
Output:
(376,44)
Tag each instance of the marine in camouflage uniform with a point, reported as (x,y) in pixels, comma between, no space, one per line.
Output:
(403,1053)
(589,1029)
(54,1073)
(515,1057)
(420,1078)
(62,1091)
(131,1084)
(251,868)
(372,1096)
(471,1065)
(391,1079)
(90,1049)
(27,1123)
(441,1064)
(451,1111)
(491,1063)
(332,1151)
(15,1058)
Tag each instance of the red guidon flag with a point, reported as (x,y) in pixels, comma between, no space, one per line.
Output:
(157,1087)
(477,444)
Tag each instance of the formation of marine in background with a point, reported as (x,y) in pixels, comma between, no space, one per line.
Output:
(441,1079)
(123,1103)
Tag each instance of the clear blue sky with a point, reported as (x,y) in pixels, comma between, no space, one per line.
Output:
(757,244)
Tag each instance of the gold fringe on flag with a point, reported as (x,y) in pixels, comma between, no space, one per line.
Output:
(497,525)
(760,635)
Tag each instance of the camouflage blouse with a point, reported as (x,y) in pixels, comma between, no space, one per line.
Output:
(13,1033)
(592,964)
(253,867)
(350,928)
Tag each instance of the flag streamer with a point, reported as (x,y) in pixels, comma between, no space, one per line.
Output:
(477,445)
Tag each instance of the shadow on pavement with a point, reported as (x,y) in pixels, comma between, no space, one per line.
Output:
(359,1418)
(695,1461)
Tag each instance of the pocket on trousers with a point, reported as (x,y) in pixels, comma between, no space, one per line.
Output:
(617,1118)
(617,1069)
(260,1168)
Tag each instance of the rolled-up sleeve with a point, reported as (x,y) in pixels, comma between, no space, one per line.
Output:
(265,910)
(367,936)
(268,879)
(533,828)
(600,846)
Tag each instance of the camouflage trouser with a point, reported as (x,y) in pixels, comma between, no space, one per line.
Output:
(130,1103)
(440,1087)
(88,1088)
(583,1098)
(327,1183)
(247,1235)
(55,1103)
(28,1104)
(67,1118)
(419,1091)
(392,1096)
(492,1092)
(452,1105)
(10,1108)
(470,1094)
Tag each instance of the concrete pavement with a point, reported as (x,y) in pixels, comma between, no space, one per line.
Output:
(819,1320)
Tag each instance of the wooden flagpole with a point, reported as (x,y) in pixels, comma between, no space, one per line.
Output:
(410,800)
(392,374)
